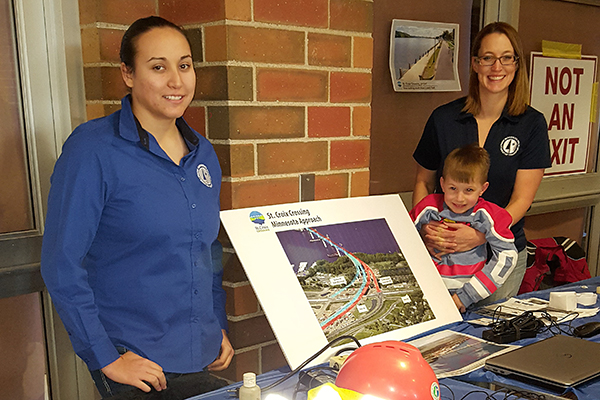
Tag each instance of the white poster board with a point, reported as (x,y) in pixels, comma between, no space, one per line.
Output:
(353,266)
(424,56)
(562,88)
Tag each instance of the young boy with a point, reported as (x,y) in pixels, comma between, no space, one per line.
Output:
(470,276)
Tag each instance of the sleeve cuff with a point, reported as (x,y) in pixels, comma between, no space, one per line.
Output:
(99,355)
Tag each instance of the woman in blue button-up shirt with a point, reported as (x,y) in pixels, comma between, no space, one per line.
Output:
(130,253)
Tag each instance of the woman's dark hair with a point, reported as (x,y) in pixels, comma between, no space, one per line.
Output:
(139,27)
(518,90)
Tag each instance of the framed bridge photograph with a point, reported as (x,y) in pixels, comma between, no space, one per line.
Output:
(424,56)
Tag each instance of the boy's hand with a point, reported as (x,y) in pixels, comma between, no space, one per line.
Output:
(461,307)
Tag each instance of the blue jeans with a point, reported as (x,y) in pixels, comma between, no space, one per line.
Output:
(511,286)
(179,386)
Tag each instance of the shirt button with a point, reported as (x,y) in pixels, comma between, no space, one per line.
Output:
(195,320)
(195,291)
(194,205)
(197,235)
(182,179)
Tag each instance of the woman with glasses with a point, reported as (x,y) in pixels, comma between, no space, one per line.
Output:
(496,115)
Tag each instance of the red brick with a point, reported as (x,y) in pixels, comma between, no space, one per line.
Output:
(360,184)
(194,37)
(294,157)
(94,110)
(264,192)
(195,117)
(110,44)
(363,52)
(351,15)
(305,13)
(88,11)
(250,332)
(90,46)
(238,10)
(361,121)
(329,50)
(104,83)
(331,186)
(241,300)
(241,363)
(232,267)
(349,87)
(272,357)
(215,43)
(211,83)
(349,154)
(291,85)
(192,11)
(223,154)
(123,11)
(226,195)
(252,44)
(256,122)
(236,160)
(328,121)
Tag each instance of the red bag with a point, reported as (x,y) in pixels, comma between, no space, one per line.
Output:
(553,262)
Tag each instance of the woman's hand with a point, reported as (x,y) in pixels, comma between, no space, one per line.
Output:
(447,238)
(134,370)
(225,356)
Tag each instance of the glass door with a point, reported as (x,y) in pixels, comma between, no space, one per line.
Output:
(23,374)
(16,209)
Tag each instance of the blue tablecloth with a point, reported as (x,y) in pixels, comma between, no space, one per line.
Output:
(457,387)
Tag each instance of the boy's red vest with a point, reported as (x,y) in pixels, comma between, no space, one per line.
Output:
(553,262)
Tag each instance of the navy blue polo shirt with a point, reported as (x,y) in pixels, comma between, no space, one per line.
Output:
(129,243)
(513,143)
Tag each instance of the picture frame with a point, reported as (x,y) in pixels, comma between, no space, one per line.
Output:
(424,56)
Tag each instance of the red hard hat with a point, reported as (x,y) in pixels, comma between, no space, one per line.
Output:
(389,370)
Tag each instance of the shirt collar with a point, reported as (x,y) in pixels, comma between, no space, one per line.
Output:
(131,129)
(463,115)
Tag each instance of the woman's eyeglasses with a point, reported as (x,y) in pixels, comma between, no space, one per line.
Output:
(488,61)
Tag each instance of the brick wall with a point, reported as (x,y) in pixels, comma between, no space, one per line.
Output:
(284,88)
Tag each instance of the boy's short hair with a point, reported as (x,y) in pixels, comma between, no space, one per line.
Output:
(467,164)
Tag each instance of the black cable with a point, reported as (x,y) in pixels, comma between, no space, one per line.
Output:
(305,363)
(556,327)
(525,325)
(345,349)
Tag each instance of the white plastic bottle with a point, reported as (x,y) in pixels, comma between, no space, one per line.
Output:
(250,390)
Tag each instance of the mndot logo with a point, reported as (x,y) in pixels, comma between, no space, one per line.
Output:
(435,391)
(509,146)
(257,217)
(204,175)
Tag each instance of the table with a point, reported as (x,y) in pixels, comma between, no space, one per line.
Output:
(461,385)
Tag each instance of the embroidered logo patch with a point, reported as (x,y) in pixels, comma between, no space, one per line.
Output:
(509,146)
(204,175)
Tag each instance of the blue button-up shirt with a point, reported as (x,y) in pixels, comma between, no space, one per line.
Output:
(130,255)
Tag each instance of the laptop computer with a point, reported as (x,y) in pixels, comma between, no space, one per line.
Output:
(555,363)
